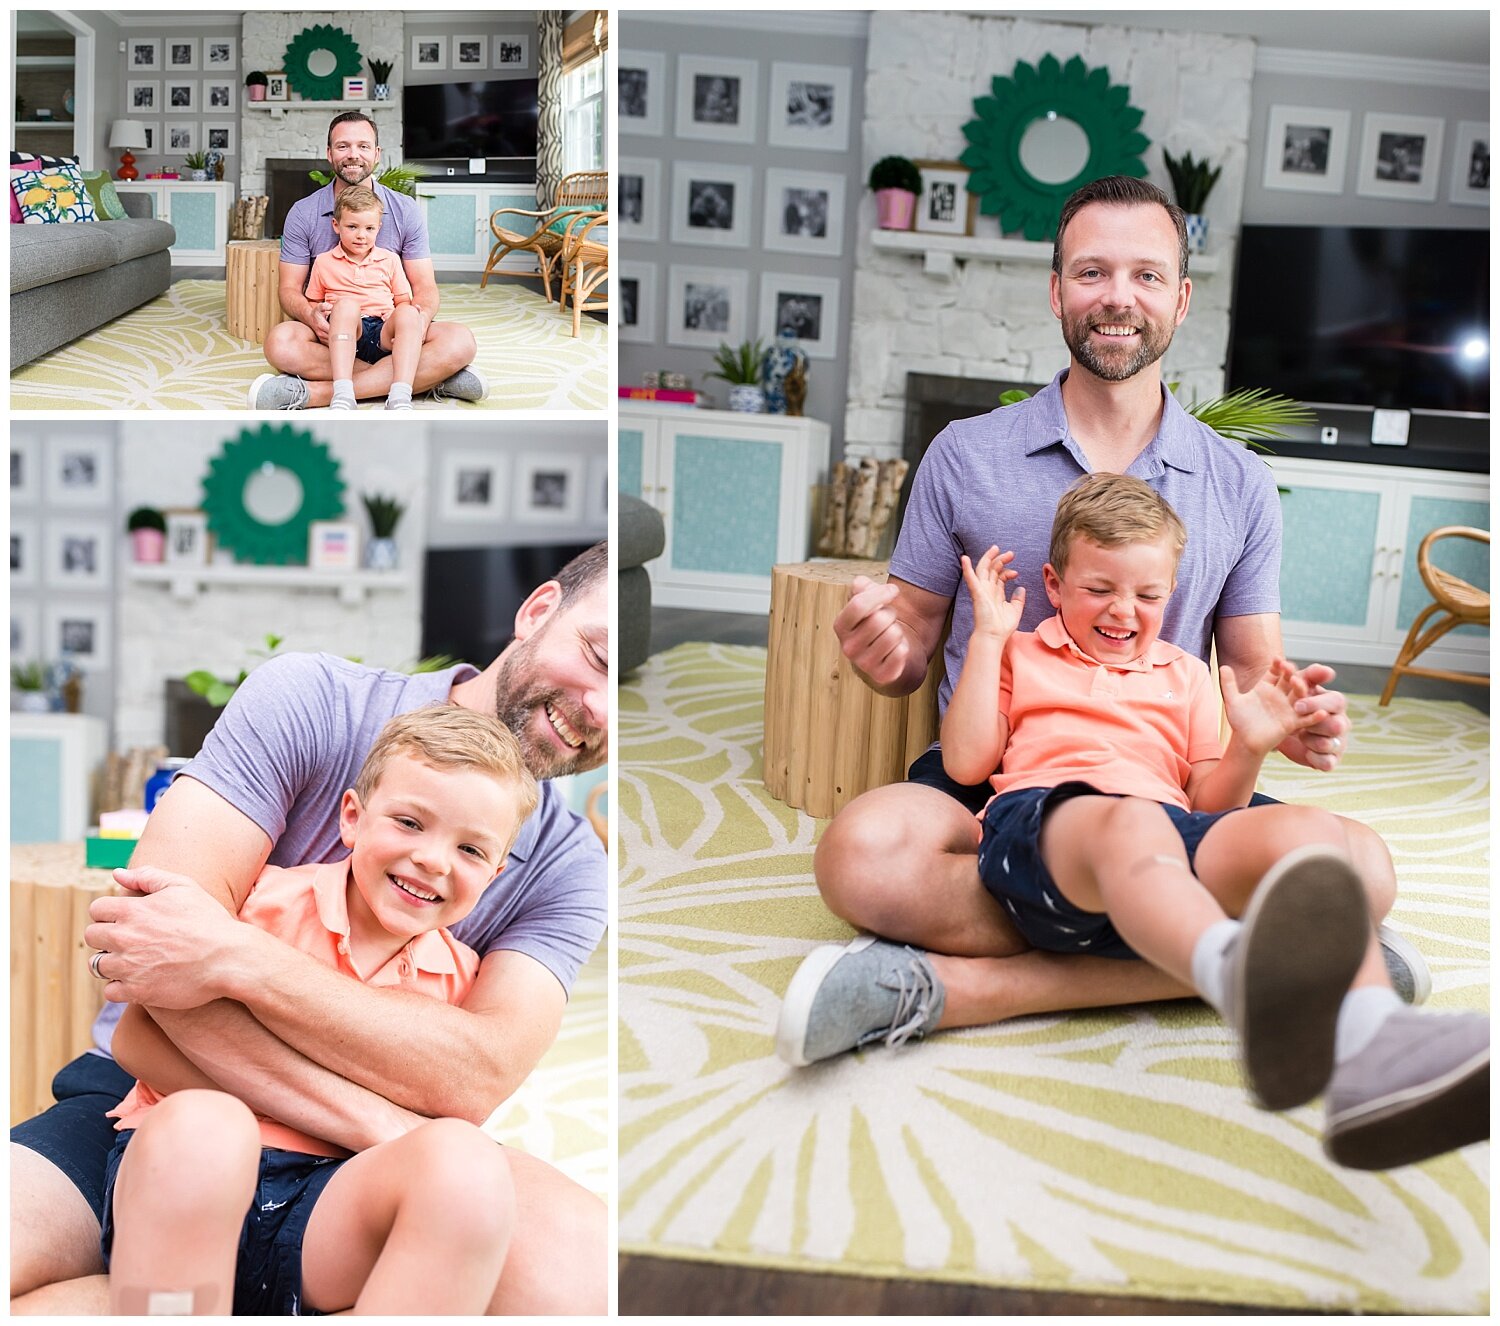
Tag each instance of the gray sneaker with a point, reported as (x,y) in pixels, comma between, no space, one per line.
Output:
(468,384)
(278,391)
(849,995)
(1420,1088)
(1301,940)
(1410,977)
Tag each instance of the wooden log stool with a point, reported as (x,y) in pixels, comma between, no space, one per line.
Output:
(828,736)
(250,287)
(54,998)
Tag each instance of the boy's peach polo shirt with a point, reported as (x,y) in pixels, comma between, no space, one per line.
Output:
(1130,728)
(308,908)
(375,280)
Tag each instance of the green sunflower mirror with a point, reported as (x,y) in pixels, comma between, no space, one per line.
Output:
(317,61)
(1044,132)
(265,489)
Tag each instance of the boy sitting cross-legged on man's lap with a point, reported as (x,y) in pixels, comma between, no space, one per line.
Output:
(1120,827)
(209,1207)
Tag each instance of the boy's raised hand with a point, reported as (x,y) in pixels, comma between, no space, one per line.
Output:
(1265,715)
(994,614)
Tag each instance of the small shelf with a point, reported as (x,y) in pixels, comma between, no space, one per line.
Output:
(280,108)
(940,252)
(44,124)
(187,582)
(45,61)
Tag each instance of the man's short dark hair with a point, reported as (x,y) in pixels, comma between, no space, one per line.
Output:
(585,573)
(346,117)
(1122,191)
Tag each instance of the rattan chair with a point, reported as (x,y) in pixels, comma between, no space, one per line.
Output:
(1461,604)
(583,265)
(582,189)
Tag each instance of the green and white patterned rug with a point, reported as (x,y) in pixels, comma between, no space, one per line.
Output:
(176,353)
(1109,1152)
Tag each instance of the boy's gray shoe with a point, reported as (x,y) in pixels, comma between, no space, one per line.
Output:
(278,391)
(844,996)
(468,384)
(1410,977)
(1301,940)
(1419,1088)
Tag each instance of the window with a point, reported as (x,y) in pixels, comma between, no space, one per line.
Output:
(583,116)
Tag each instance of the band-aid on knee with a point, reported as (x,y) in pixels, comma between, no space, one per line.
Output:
(1162,859)
(141,1302)
(342,336)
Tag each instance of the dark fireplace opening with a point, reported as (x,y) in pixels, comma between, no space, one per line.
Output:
(287,182)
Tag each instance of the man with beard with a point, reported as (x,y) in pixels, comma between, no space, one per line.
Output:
(299,349)
(268,1023)
(902,861)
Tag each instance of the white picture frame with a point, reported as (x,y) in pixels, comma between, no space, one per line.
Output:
(809,107)
(77,630)
(597,490)
(1307,149)
(179,96)
(25,471)
(1400,156)
(804,212)
(471,52)
(638,198)
(641,80)
(277,86)
(187,538)
(77,554)
(143,55)
(706,306)
(717,98)
(512,52)
(333,545)
(1469,185)
(218,96)
(219,136)
(472,486)
(712,204)
(25,629)
(814,304)
(143,96)
(635,294)
(25,553)
(945,207)
(180,55)
(429,52)
(549,488)
(78,472)
(179,137)
(221,55)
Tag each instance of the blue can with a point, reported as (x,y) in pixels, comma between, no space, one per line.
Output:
(162,779)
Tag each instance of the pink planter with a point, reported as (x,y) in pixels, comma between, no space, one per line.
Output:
(894,208)
(149,545)
(257,91)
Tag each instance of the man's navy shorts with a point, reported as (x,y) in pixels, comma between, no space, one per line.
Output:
(74,1134)
(268,1264)
(368,346)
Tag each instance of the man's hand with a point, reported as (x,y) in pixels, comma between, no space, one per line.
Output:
(870,633)
(167,946)
(1323,745)
(994,614)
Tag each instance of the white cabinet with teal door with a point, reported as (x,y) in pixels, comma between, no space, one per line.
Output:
(198,212)
(458,223)
(735,492)
(1349,581)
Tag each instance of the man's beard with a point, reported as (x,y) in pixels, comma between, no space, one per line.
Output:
(354,172)
(519,696)
(1124,361)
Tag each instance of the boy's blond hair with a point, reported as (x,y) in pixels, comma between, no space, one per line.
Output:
(357,199)
(1113,510)
(448,736)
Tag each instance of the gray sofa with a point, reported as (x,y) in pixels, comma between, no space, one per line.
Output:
(66,280)
(642,536)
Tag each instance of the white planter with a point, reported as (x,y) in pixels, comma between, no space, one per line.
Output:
(382,555)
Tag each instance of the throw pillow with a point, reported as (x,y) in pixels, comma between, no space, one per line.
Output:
(560,226)
(102,193)
(19,161)
(52,194)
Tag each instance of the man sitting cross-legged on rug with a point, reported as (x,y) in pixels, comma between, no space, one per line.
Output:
(299,349)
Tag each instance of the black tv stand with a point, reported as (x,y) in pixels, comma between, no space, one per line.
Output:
(498,170)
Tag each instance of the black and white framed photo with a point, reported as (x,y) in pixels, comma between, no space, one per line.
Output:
(1470,185)
(513,52)
(804,212)
(76,554)
(25,630)
(809,107)
(946,207)
(218,136)
(181,55)
(218,96)
(79,471)
(642,93)
(640,198)
(1400,157)
(717,98)
(25,554)
(144,55)
(143,96)
(180,136)
(429,52)
(221,55)
(277,88)
(78,632)
(635,301)
(187,538)
(25,476)
(152,136)
(711,204)
(181,96)
(706,306)
(472,486)
(1307,148)
(549,488)
(469,53)
(805,306)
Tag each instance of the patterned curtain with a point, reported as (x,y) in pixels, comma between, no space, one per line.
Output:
(549,138)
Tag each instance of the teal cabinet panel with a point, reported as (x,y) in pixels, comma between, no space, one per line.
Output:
(451,219)
(1327,555)
(628,461)
(726,504)
(193,218)
(1461,557)
(36,774)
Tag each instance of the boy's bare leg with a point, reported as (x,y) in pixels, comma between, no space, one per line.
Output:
(402,336)
(292,348)
(87,1296)
(344,326)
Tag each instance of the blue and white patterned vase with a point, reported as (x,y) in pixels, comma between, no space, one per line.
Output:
(1197,232)
(781,360)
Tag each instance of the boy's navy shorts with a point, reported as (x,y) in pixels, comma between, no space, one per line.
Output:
(268,1264)
(368,346)
(1011,866)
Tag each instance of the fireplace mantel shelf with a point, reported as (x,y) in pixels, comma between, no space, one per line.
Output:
(187,582)
(280,108)
(940,252)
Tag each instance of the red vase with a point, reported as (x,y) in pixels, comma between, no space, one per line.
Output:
(894,208)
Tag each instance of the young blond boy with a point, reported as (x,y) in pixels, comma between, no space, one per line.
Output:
(364,291)
(209,1207)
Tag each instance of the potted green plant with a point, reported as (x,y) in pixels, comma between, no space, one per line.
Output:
(197,164)
(28,688)
(255,82)
(398,179)
(1192,182)
(739,366)
(381,553)
(148,533)
(896,182)
(380,70)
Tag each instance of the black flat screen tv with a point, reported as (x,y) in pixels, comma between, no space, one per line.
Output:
(1339,315)
(456,120)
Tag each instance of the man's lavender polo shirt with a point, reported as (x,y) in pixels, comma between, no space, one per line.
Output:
(308,229)
(291,740)
(996,479)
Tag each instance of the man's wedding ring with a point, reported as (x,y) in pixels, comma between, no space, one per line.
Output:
(94,966)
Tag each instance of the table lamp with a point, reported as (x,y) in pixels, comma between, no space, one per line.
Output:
(127,134)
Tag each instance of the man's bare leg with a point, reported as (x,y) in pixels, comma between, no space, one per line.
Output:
(54,1234)
(292,348)
(87,1296)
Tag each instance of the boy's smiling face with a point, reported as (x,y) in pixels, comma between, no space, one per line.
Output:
(357,232)
(1111,600)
